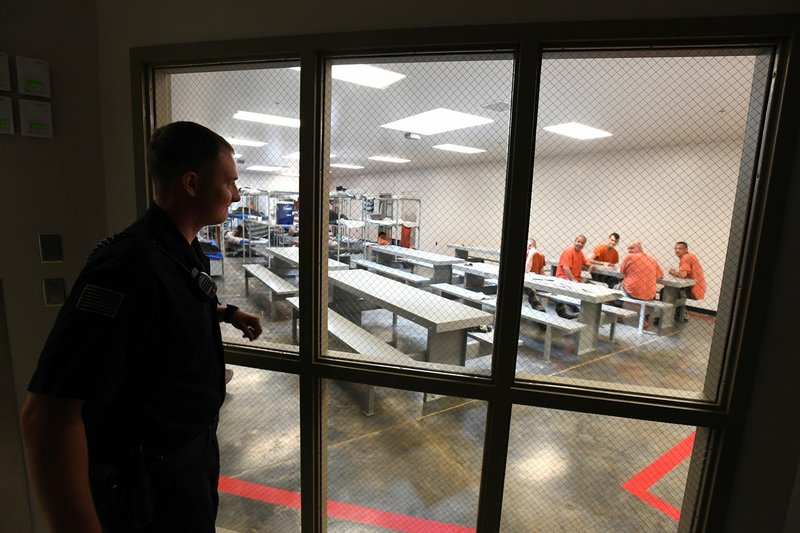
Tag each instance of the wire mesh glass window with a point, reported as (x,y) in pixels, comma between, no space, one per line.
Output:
(259,448)
(253,254)
(417,178)
(641,191)
(581,472)
(407,468)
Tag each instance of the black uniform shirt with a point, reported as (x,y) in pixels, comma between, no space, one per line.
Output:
(139,342)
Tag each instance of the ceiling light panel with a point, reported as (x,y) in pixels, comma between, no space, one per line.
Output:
(264,168)
(366,75)
(459,148)
(244,142)
(296,156)
(343,165)
(387,159)
(267,119)
(436,121)
(577,131)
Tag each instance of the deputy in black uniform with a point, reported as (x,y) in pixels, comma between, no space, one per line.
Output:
(120,421)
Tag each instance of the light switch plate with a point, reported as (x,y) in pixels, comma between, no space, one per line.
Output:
(6,116)
(5,73)
(33,76)
(36,119)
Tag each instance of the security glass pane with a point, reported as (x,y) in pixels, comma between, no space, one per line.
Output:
(253,253)
(259,443)
(641,190)
(417,172)
(582,472)
(402,461)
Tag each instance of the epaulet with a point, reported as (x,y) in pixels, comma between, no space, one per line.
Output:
(111,239)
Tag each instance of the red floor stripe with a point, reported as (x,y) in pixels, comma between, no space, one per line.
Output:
(707,318)
(640,484)
(344,511)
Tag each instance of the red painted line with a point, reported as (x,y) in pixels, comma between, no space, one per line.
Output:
(640,484)
(344,511)
(260,493)
(707,318)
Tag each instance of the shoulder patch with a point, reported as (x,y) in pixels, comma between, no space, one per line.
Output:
(100,301)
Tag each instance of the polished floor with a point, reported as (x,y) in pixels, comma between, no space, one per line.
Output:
(415,465)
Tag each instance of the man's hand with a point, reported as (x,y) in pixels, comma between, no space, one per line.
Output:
(248,324)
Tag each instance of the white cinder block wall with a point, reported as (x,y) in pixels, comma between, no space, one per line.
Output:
(657,195)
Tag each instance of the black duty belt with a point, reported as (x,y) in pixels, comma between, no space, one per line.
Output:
(186,454)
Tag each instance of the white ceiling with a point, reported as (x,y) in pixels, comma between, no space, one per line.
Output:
(642,101)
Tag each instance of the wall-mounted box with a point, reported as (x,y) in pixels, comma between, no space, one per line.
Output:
(50,249)
(35,119)
(33,76)
(54,292)
(5,73)
(6,116)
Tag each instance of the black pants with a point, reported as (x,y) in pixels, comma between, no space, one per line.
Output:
(185,497)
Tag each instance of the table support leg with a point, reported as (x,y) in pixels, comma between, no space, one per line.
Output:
(590,315)
(442,274)
(449,347)
(670,295)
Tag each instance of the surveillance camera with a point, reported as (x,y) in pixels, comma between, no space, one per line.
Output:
(239,159)
(413,136)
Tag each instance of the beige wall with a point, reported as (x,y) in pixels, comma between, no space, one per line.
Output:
(49,186)
(658,196)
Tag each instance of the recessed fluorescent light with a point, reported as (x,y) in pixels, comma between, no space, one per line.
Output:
(577,131)
(437,121)
(291,174)
(264,168)
(267,119)
(387,159)
(366,75)
(296,155)
(244,142)
(458,148)
(342,165)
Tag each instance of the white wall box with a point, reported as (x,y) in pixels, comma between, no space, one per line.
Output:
(36,119)
(33,76)
(5,76)
(6,116)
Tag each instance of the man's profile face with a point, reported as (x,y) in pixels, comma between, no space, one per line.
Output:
(218,189)
(680,250)
(580,242)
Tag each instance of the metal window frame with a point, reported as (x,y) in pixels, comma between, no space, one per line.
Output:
(720,423)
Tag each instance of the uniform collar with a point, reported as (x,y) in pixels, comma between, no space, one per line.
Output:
(167,235)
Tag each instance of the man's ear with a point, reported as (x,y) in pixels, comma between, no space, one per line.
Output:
(189,183)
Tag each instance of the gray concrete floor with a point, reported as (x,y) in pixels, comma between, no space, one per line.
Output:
(416,464)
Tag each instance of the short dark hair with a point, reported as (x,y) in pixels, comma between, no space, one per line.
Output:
(682,243)
(182,146)
(615,235)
